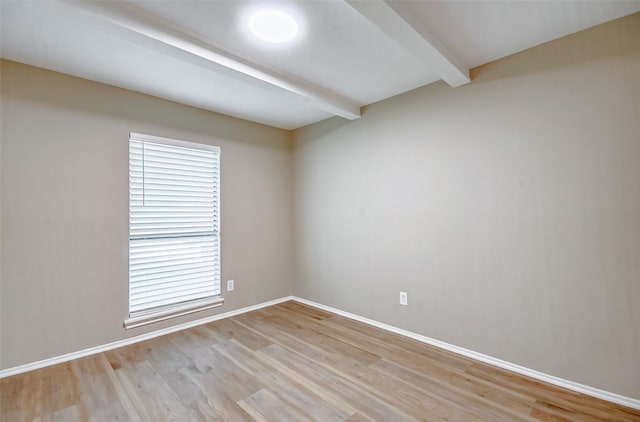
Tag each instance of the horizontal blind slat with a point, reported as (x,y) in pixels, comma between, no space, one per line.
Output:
(157,147)
(181,173)
(158,275)
(178,287)
(146,281)
(160,261)
(137,174)
(147,186)
(156,156)
(151,210)
(176,244)
(168,260)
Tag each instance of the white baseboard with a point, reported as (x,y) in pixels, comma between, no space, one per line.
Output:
(127,341)
(570,385)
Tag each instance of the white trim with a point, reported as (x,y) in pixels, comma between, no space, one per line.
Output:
(131,340)
(570,385)
(149,316)
(141,137)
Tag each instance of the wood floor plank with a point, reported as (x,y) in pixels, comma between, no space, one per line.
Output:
(123,397)
(289,362)
(135,391)
(207,335)
(354,394)
(412,401)
(232,329)
(401,342)
(293,390)
(306,310)
(223,383)
(571,403)
(71,413)
(176,369)
(19,395)
(253,413)
(462,384)
(161,403)
(456,398)
(97,394)
(281,328)
(271,408)
(393,349)
(301,342)
(358,417)
(542,415)
(394,346)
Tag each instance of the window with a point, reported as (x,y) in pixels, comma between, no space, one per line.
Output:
(174,228)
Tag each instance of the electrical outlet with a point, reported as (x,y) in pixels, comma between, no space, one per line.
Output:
(230,285)
(403,298)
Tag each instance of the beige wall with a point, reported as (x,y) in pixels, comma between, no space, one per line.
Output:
(65,208)
(508,209)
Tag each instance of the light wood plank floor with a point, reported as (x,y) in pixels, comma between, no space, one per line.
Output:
(289,362)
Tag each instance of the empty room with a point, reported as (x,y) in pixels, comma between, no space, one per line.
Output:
(320,210)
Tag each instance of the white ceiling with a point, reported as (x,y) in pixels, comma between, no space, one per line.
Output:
(349,54)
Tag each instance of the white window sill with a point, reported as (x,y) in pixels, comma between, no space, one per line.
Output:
(150,316)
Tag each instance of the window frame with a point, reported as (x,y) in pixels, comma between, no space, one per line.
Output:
(164,312)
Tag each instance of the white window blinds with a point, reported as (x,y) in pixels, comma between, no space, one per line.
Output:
(174,226)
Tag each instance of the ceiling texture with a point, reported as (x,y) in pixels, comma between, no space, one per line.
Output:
(348,53)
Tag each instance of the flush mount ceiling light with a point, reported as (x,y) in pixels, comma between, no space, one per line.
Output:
(274,26)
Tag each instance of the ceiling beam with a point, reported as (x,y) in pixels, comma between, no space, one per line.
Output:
(129,22)
(401,25)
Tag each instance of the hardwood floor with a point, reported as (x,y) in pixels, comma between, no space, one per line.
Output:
(289,362)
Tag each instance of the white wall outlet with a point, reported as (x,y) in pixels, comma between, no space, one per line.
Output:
(230,285)
(403,298)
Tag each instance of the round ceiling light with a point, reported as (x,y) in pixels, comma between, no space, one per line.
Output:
(273,26)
